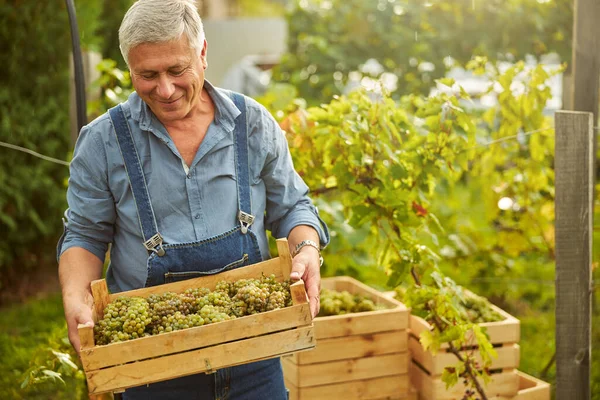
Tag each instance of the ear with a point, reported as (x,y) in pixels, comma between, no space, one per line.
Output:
(203,54)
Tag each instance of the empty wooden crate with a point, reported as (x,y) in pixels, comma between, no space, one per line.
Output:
(117,366)
(358,356)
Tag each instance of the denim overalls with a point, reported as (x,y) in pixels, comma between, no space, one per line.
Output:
(178,261)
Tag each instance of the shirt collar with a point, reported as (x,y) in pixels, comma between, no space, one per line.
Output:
(225,110)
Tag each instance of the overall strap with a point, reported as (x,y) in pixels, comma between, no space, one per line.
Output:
(240,139)
(137,181)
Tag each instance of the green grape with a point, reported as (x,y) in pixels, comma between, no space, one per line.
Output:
(343,302)
(128,318)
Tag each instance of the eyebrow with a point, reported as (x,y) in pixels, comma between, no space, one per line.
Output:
(181,64)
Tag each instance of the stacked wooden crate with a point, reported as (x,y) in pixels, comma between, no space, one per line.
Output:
(358,356)
(426,369)
(530,388)
(507,383)
(117,366)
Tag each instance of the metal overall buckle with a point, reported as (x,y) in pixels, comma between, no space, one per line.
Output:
(154,244)
(245,220)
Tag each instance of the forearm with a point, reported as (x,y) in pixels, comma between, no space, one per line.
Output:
(300,233)
(77,268)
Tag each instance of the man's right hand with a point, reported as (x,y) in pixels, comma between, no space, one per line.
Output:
(77,268)
(78,311)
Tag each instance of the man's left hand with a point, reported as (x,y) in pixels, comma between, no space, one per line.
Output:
(306,266)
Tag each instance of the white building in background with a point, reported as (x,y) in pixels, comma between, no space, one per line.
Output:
(238,48)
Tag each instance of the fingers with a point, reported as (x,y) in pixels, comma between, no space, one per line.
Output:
(306,266)
(74,337)
(313,291)
(298,269)
(78,314)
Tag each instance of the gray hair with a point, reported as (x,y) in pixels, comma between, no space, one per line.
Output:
(159,21)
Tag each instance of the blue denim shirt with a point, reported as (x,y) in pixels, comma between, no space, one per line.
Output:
(190,204)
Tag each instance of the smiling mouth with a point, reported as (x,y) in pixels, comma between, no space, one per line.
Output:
(169,102)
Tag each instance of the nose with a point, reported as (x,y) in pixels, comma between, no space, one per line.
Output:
(165,88)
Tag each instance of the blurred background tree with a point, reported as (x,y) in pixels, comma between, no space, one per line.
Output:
(410,43)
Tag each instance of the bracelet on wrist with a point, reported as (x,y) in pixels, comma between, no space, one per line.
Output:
(310,243)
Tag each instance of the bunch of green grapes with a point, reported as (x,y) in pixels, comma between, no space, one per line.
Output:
(339,303)
(477,309)
(133,317)
(125,318)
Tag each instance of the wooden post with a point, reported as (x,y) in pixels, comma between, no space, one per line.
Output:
(574,160)
(586,56)
(586,60)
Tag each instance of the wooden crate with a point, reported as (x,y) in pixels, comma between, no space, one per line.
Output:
(504,336)
(504,385)
(117,366)
(358,356)
(396,387)
(531,388)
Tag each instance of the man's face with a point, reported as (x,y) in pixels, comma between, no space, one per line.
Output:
(169,77)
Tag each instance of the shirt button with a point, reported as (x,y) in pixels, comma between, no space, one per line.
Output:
(197,216)
(189,176)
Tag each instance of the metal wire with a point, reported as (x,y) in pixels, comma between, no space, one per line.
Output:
(34,153)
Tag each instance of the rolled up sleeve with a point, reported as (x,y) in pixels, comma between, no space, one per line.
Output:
(288,203)
(90,218)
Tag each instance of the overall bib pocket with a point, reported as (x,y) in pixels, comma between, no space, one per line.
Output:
(180,276)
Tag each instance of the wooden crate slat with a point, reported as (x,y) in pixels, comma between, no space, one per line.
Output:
(298,293)
(197,361)
(86,336)
(357,346)
(504,384)
(285,257)
(531,388)
(268,267)
(347,370)
(101,297)
(508,357)
(360,323)
(195,338)
(388,387)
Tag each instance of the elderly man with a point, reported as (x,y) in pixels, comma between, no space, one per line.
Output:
(182,179)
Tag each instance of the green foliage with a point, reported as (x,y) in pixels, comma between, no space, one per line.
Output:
(500,216)
(28,334)
(114,84)
(55,366)
(468,306)
(382,162)
(34,52)
(260,8)
(414,41)
(419,177)
(89,22)
(111,16)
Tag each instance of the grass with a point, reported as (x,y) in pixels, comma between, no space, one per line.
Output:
(26,330)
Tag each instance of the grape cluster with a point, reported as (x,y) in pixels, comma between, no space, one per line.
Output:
(338,303)
(477,309)
(129,318)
